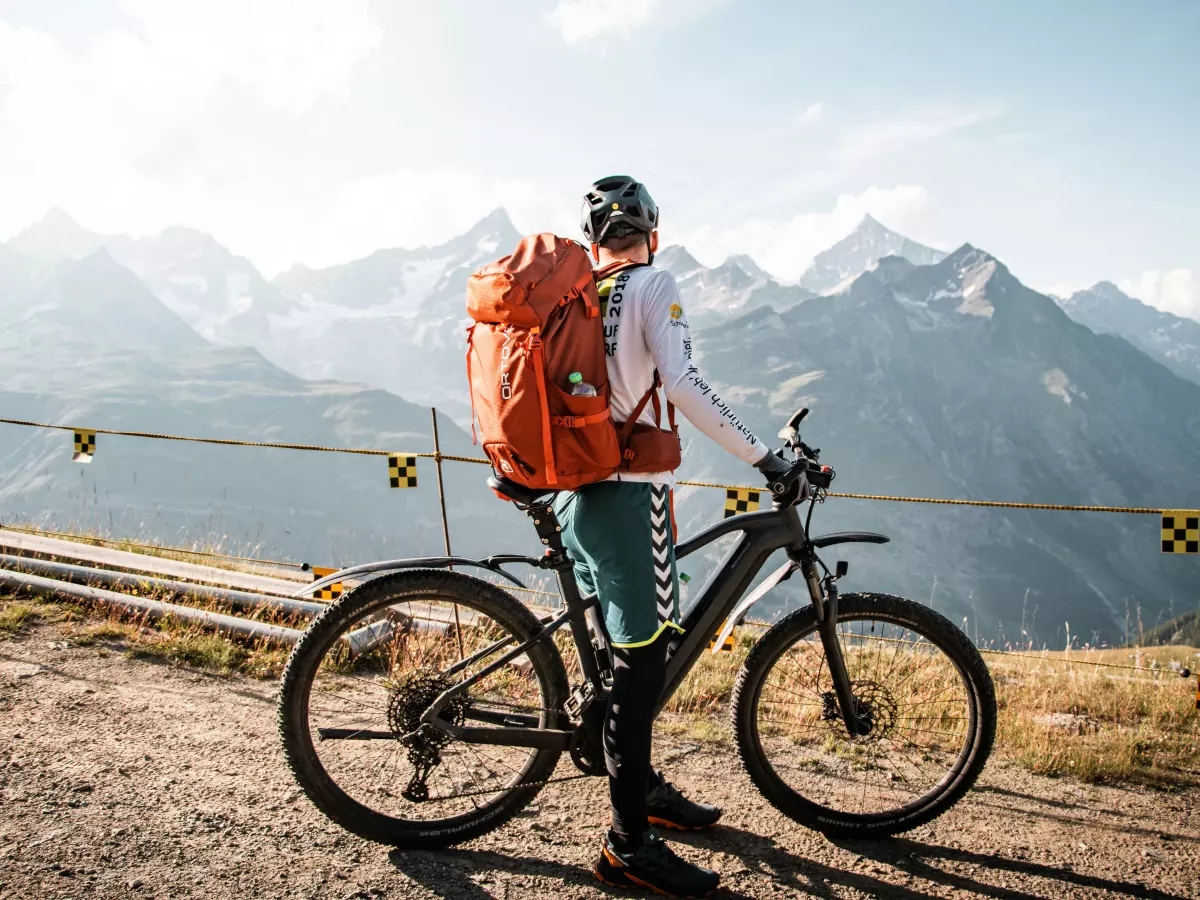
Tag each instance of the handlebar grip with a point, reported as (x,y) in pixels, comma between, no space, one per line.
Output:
(781,485)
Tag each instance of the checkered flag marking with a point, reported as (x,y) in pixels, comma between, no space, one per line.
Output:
(402,471)
(740,500)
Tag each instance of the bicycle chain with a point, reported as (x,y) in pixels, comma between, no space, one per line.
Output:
(527,784)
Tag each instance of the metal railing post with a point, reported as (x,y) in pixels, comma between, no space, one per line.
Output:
(437,461)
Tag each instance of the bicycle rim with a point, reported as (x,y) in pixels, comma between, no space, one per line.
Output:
(379,669)
(915,695)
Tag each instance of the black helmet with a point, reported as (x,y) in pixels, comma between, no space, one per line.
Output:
(617,199)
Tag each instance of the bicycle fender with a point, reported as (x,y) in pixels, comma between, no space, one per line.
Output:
(783,573)
(396,565)
(850,537)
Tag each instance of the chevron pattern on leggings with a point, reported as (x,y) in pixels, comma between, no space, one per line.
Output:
(660,536)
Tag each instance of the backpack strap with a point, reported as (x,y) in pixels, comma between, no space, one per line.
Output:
(650,395)
(471,385)
(581,421)
(539,368)
(658,406)
(613,268)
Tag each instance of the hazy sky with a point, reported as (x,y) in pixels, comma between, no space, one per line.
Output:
(1062,136)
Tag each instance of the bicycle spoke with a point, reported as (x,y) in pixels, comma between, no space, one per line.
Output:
(373,692)
(914,701)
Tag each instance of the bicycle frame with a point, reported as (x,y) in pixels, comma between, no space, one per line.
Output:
(762,534)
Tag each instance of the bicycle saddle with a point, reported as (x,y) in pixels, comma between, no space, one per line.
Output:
(517,493)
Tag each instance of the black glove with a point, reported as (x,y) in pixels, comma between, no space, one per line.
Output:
(773,468)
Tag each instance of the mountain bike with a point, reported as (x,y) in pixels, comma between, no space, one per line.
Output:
(426,707)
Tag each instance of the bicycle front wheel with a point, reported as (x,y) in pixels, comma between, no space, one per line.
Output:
(920,685)
(369,666)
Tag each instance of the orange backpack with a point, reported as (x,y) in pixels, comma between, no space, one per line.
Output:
(536,320)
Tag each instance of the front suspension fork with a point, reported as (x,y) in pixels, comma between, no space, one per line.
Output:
(824,596)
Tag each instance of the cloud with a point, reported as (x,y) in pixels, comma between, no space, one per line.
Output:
(875,140)
(580,21)
(583,20)
(181,111)
(785,247)
(811,113)
(410,207)
(1175,291)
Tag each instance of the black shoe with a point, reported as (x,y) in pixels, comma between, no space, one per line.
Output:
(652,864)
(666,806)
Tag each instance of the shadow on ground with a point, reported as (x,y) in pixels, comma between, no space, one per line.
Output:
(467,874)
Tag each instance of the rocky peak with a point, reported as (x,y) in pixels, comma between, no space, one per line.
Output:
(676,260)
(56,236)
(861,250)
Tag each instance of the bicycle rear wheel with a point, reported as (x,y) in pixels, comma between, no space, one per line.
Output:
(366,669)
(919,683)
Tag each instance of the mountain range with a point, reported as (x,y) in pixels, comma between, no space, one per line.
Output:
(87,344)
(1172,340)
(928,374)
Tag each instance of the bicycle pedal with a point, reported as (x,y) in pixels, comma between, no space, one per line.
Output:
(580,697)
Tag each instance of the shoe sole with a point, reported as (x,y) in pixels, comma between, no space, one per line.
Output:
(674,826)
(633,881)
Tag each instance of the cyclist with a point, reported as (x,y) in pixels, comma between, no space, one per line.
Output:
(620,533)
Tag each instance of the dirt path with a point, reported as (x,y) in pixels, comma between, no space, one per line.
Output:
(122,778)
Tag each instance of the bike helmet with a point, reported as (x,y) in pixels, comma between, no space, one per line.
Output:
(617,199)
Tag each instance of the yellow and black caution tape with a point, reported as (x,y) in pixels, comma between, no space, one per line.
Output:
(1181,531)
(226,442)
(993,503)
(740,500)
(85,446)
(402,470)
(1134,510)
(361,451)
(330,591)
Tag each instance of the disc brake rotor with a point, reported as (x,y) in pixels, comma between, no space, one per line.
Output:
(877,708)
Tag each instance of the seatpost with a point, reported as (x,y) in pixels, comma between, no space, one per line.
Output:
(550,533)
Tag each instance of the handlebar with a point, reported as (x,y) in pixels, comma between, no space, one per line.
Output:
(807,459)
(781,485)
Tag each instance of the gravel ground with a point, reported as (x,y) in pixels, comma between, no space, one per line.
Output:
(123,778)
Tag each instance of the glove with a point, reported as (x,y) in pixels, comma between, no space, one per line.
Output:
(774,467)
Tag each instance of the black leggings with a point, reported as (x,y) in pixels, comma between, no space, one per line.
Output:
(639,674)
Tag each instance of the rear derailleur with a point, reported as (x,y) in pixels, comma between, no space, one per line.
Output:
(408,703)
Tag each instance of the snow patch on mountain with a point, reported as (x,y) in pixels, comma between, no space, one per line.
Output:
(975,278)
(1172,340)
(860,251)
(1057,384)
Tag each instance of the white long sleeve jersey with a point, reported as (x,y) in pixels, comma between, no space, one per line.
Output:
(645,328)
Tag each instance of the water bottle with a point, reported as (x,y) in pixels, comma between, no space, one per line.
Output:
(579,387)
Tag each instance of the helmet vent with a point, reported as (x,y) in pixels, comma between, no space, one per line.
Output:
(631,189)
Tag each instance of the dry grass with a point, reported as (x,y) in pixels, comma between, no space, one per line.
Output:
(167,639)
(1061,714)
(1101,724)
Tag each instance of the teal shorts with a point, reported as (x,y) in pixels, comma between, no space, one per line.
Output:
(619,534)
